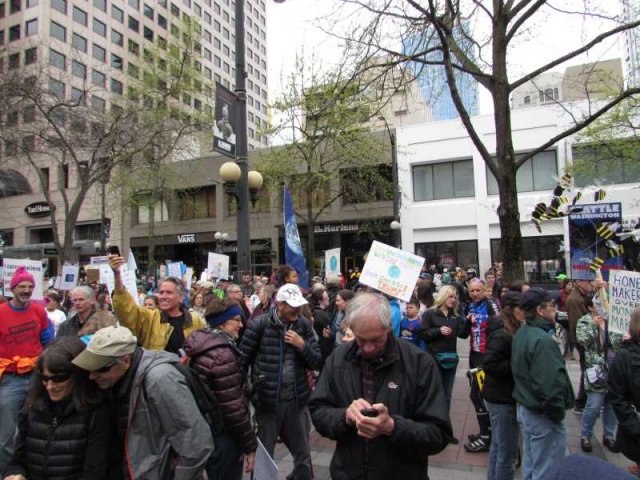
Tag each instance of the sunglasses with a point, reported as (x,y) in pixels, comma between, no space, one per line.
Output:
(57,378)
(106,368)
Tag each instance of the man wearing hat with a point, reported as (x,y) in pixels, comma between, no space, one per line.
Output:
(280,347)
(543,391)
(24,330)
(161,432)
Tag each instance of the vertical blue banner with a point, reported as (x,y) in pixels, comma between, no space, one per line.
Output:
(293,254)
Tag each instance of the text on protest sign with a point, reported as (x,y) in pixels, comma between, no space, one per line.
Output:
(34,267)
(624,297)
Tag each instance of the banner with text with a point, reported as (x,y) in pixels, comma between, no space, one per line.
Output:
(332,261)
(391,270)
(624,297)
(34,267)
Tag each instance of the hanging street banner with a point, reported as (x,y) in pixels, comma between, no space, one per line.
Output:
(293,254)
(332,262)
(593,241)
(224,128)
(624,297)
(34,267)
(391,270)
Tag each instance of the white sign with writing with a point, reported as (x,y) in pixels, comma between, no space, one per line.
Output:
(391,270)
(332,261)
(188,277)
(34,267)
(218,265)
(624,296)
(131,262)
(69,277)
(129,280)
(99,260)
(174,270)
(106,277)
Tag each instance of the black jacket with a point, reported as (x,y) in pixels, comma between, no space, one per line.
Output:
(57,442)
(498,380)
(263,349)
(71,326)
(436,342)
(624,396)
(322,320)
(408,382)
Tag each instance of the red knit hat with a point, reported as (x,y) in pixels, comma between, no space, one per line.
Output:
(21,275)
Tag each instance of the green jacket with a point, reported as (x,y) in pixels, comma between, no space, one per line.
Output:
(541,380)
(588,335)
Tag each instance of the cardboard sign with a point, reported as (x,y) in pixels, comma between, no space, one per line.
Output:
(34,267)
(624,297)
(69,277)
(218,265)
(391,270)
(332,261)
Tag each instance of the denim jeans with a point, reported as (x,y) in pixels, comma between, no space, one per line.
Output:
(504,441)
(595,402)
(448,379)
(13,390)
(543,443)
(224,463)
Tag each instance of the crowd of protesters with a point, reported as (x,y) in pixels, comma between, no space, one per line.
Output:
(99,386)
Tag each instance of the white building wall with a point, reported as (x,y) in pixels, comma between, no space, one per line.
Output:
(475,218)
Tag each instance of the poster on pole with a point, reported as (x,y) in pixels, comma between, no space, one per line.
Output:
(332,261)
(174,269)
(593,242)
(218,265)
(224,124)
(391,270)
(34,267)
(624,297)
(69,277)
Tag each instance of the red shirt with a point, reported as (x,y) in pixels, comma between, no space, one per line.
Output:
(20,331)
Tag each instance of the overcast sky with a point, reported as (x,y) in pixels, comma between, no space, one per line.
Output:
(293,27)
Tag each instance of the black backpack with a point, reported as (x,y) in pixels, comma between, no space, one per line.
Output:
(204,396)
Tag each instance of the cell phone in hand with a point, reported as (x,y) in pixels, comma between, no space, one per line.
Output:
(369,412)
(113,250)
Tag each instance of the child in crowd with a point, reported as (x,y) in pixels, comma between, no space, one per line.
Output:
(411,322)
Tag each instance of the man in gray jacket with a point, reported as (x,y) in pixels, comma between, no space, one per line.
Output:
(162,433)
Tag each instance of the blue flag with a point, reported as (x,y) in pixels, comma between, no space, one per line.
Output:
(293,254)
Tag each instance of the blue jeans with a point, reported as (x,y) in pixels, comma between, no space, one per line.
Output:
(224,463)
(595,402)
(448,378)
(504,441)
(13,390)
(543,443)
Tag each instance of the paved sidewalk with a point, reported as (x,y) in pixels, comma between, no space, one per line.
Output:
(454,463)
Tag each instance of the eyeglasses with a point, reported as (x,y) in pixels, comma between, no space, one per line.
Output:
(106,368)
(58,378)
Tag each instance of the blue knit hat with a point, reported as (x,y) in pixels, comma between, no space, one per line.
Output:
(219,318)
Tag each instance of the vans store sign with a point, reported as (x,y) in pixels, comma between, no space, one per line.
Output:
(187,238)
(38,209)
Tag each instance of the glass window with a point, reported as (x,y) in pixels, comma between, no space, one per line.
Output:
(200,203)
(98,104)
(117,38)
(99,53)
(147,34)
(14,33)
(80,16)
(134,24)
(79,69)
(16,6)
(535,174)
(175,11)
(98,78)
(133,47)
(133,70)
(135,4)
(100,5)
(31,55)
(1,37)
(116,62)
(29,114)
(59,5)
(57,59)
(117,14)
(148,11)
(613,162)
(14,61)
(443,180)
(541,255)
(116,86)
(31,27)
(99,28)
(78,96)
(31,3)
(58,31)
(162,21)
(79,42)
(449,254)
(56,88)
(207,18)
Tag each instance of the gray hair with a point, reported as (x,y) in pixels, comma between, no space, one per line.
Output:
(368,302)
(233,287)
(85,290)
(176,281)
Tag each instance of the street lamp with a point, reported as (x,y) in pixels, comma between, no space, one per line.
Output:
(395,223)
(98,246)
(221,237)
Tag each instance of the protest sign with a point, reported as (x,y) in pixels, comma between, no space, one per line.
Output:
(174,270)
(99,260)
(106,277)
(264,468)
(188,277)
(624,297)
(34,267)
(332,261)
(129,280)
(131,262)
(218,265)
(69,276)
(92,273)
(391,270)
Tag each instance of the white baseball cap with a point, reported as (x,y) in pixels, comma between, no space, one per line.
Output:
(291,294)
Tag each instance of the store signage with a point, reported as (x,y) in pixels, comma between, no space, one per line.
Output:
(50,251)
(340,227)
(38,209)
(187,238)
